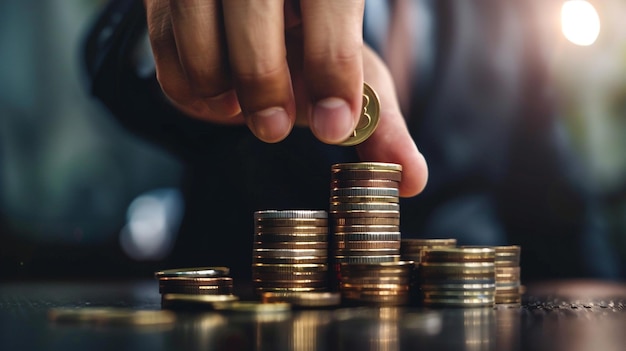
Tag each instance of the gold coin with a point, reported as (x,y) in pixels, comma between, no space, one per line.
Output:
(366,221)
(292,222)
(253,307)
(429,243)
(111,316)
(459,254)
(364,199)
(366,280)
(459,302)
(302,267)
(303,299)
(370,183)
(365,174)
(370,115)
(264,229)
(291,245)
(367,245)
(366,166)
(199,299)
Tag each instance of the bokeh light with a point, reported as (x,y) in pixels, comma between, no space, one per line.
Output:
(152,223)
(580,22)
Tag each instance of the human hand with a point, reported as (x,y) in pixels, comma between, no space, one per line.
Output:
(274,64)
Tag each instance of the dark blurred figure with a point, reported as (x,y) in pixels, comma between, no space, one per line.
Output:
(478,104)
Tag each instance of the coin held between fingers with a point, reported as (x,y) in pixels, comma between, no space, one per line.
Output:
(370,116)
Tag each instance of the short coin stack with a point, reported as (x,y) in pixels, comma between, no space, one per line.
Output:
(458,277)
(508,273)
(411,250)
(196,285)
(386,283)
(290,251)
(365,209)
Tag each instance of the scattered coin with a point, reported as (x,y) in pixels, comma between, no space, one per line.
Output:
(303,299)
(195,272)
(253,307)
(111,316)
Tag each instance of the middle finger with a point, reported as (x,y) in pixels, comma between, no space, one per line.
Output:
(255,37)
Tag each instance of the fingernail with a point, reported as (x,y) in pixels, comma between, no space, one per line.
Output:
(332,120)
(271,125)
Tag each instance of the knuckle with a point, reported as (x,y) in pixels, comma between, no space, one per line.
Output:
(206,80)
(338,57)
(260,72)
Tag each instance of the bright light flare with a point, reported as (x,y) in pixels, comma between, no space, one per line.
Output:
(580,22)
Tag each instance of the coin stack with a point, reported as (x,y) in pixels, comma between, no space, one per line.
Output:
(508,272)
(380,284)
(195,285)
(290,251)
(458,277)
(365,209)
(411,250)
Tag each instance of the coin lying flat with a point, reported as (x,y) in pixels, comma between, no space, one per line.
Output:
(370,115)
(303,299)
(380,166)
(290,214)
(195,272)
(182,301)
(111,316)
(253,307)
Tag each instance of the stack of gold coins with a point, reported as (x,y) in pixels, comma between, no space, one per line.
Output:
(459,277)
(508,273)
(381,284)
(197,284)
(290,251)
(411,250)
(364,204)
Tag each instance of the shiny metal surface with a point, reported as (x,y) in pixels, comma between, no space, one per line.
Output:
(572,316)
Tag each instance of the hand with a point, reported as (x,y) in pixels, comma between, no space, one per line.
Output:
(276,63)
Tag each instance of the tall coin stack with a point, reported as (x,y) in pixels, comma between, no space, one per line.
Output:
(458,277)
(365,209)
(290,251)
(508,273)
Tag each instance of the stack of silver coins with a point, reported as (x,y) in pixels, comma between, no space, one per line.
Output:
(411,250)
(195,285)
(365,210)
(458,277)
(508,275)
(290,251)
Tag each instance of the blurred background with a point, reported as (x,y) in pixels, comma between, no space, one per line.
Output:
(80,195)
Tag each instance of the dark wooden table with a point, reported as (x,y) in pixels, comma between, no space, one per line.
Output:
(560,315)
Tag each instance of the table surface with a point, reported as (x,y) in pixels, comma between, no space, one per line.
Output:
(559,315)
